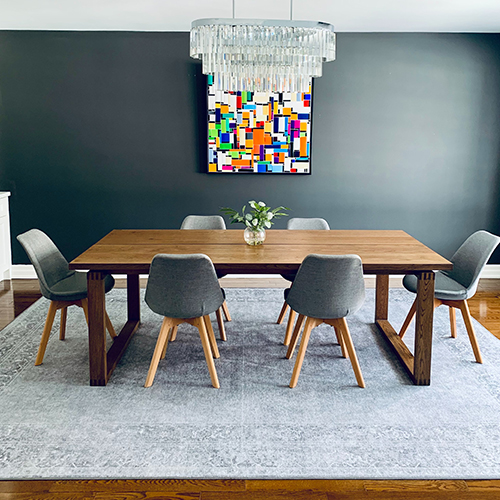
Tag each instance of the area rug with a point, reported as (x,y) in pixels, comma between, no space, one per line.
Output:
(54,425)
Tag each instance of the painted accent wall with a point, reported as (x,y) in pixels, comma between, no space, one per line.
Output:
(104,130)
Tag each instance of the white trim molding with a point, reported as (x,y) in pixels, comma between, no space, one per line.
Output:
(26,271)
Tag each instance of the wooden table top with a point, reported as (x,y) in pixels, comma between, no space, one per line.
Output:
(390,251)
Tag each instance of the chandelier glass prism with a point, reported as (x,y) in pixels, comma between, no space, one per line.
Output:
(258,55)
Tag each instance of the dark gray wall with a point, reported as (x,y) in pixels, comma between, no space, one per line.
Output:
(107,130)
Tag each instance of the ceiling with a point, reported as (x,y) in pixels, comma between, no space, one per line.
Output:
(176,15)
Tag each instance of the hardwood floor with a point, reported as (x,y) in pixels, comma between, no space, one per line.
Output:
(18,295)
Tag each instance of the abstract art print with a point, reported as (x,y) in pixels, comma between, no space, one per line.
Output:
(259,132)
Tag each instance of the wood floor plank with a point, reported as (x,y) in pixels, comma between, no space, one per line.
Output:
(169,485)
(265,495)
(30,486)
(415,485)
(484,485)
(306,484)
(148,495)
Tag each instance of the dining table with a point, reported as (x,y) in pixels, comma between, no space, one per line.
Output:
(383,253)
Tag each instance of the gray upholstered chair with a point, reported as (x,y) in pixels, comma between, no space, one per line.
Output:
(327,288)
(208,222)
(453,288)
(298,223)
(184,289)
(203,222)
(58,284)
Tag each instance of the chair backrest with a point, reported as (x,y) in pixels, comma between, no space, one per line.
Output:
(328,286)
(307,223)
(470,259)
(203,222)
(49,263)
(183,286)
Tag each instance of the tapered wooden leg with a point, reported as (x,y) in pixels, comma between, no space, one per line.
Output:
(109,326)
(200,324)
(283,311)
(344,330)
(409,318)
(453,322)
(341,342)
(220,322)
(464,309)
(160,344)
(169,335)
(84,304)
(46,332)
(62,326)
(174,333)
(295,337)
(225,310)
(211,336)
(289,327)
(310,324)
(97,328)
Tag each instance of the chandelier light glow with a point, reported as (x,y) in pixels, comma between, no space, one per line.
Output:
(262,55)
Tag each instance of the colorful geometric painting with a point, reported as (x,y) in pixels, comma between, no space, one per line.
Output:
(258,132)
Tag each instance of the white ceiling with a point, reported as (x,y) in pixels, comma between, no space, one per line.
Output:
(176,15)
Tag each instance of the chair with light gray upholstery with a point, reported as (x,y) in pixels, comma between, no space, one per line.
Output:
(184,289)
(453,288)
(209,222)
(327,288)
(298,223)
(203,222)
(58,284)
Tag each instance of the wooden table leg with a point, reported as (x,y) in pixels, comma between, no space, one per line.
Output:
(97,328)
(133,297)
(121,342)
(382,297)
(423,329)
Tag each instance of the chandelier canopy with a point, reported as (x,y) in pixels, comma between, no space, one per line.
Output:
(262,55)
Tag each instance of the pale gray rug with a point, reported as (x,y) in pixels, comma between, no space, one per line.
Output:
(54,425)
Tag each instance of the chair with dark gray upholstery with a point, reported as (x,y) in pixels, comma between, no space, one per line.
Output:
(58,284)
(298,223)
(454,288)
(209,222)
(327,288)
(184,289)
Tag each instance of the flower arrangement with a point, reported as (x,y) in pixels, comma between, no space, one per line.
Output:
(257,220)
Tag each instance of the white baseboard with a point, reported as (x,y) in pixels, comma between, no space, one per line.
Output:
(26,271)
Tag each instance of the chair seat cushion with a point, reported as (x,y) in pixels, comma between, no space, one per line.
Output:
(444,289)
(74,287)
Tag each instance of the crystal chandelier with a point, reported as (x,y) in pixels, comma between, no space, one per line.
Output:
(262,55)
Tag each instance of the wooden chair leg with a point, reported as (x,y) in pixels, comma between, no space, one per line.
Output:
(174,333)
(409,317)
(84,304)
(160,344)
(310,324)
(200,324)
(220,322)
(344,330)
(283,311)
(453,322)
(109,326)
(225,310)
(340,340)
(164,351)
(46,332)
(289,327)
(464,309)
(211,336)
(295,337)
(62,326)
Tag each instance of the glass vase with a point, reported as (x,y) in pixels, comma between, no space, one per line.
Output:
(254,236)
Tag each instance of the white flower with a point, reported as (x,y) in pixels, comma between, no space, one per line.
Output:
(248,216)
(262,204)
(270,215)
(255,222)
(252,203)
